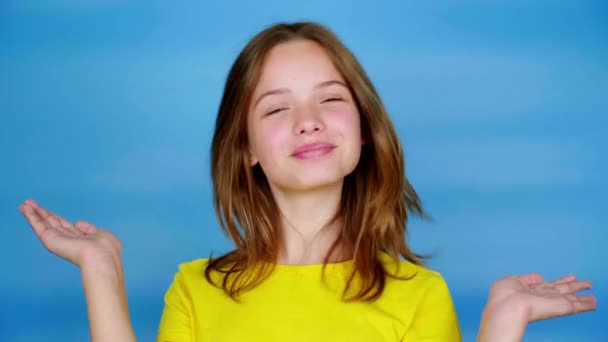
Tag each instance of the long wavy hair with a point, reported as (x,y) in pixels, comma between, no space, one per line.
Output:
(376,196)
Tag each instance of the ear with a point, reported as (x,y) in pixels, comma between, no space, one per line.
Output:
(252,160)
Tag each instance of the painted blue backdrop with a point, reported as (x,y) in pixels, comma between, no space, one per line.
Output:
(107,110)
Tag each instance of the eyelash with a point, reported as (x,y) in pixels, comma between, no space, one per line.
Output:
(275,111)
(332,99)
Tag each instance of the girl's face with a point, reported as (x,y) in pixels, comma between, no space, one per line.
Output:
(303,124)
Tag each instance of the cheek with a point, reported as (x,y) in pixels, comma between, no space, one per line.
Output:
(347,121)
(270,139)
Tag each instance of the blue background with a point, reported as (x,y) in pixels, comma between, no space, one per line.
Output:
(107,111)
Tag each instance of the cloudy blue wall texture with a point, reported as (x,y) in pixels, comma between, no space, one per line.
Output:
(107,114)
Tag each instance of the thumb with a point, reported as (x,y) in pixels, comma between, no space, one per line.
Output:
(531,279)
(85,227)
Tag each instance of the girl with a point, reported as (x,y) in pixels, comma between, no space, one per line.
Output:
(309,184)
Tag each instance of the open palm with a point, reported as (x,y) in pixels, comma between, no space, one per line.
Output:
(78,243)
(543,300)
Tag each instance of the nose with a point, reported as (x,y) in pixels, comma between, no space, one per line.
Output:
(308,121)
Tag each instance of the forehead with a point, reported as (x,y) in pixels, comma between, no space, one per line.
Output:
(295,64)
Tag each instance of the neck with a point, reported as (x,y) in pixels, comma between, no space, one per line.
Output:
(305,224)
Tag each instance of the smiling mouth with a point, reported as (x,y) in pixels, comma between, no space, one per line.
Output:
(313,151)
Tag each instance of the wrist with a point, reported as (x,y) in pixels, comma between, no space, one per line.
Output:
(503,321)
(102,264)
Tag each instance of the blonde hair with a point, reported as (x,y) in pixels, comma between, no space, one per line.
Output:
(376,196)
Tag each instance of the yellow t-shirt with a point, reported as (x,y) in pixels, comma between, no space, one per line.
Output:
(294,305)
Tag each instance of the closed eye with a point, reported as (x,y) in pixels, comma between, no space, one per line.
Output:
(275,111)
(332,99)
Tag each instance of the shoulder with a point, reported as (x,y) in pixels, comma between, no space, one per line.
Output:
(413,281)
(421,298)
(423,302)
(406,268)
(195,266)
(192,271)
(189,280)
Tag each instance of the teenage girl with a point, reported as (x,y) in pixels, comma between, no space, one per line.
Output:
(309,183)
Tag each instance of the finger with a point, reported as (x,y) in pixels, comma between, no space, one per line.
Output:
(85,227)
(56,224)
(531,279)
(46,213)
(584,303)
(573,287)
(56,221)
(66,229)
(43,213)
(30,201)
(64,223)
(39,226)
(565,279)
(570,304)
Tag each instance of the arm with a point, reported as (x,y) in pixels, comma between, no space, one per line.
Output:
(97,252)
(106,298)
(502,323)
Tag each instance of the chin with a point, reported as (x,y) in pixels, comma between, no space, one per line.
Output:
(313,181)
(309,178)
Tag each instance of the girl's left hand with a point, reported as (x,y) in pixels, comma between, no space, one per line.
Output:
(538,300)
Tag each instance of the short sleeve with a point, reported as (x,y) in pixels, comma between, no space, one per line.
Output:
(435,319)
(175,324)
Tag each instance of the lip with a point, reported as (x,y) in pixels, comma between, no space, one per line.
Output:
(313,150)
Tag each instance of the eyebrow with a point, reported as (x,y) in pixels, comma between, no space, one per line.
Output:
(286,90)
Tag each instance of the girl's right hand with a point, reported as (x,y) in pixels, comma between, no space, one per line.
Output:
(80,243)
